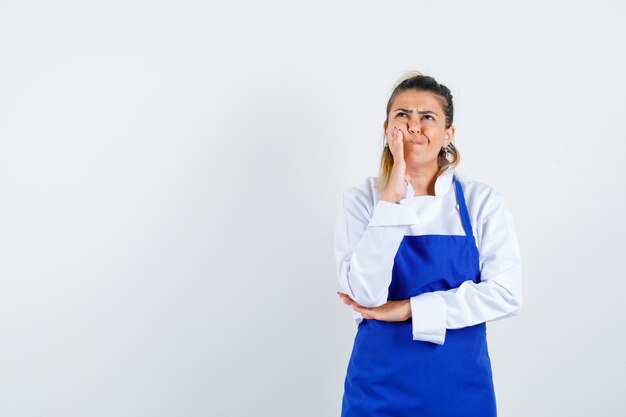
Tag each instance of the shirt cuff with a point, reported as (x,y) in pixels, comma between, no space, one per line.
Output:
(429,316)
(387,213)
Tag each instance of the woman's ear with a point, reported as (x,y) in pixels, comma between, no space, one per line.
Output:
(449,135)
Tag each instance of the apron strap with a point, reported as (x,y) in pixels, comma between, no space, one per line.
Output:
(467,224)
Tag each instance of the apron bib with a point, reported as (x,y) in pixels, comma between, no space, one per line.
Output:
(390,374)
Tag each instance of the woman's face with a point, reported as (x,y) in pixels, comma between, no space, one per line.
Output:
(420,117)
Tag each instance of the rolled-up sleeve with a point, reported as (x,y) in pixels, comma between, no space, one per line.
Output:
(497,296)
(367,237)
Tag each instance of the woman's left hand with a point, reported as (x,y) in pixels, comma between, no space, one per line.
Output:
(390,311)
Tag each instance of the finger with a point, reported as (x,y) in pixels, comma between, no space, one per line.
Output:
(365,313)
(345,296)
(398,135)
(346,299)
(349,301)
(389,133)
(361,309)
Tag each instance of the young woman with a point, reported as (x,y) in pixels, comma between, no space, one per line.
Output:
(425,257)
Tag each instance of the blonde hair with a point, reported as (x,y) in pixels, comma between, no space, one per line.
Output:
(415,80)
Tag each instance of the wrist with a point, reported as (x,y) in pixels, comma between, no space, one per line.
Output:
(399,168)
(390,197)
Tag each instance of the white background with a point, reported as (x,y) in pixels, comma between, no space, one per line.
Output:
(170,174)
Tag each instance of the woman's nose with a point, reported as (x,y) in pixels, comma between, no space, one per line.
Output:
(414,127)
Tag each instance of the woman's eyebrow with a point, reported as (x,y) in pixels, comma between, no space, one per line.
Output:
(420,112)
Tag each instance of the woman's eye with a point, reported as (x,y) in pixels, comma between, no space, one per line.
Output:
(427,115)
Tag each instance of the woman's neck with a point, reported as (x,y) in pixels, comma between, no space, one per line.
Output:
(423,180)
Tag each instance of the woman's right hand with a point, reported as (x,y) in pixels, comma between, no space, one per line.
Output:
(398,180)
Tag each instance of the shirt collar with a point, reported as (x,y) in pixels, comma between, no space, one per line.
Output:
(442,185)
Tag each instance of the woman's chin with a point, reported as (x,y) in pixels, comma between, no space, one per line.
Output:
(416,161)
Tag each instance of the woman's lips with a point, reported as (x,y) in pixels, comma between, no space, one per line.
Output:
(416,142)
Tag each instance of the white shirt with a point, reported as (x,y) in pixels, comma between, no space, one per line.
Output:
(369,231)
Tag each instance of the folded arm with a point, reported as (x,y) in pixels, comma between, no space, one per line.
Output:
(366,241)
(497,296)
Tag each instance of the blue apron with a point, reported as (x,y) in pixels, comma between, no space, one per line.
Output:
(390,374)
